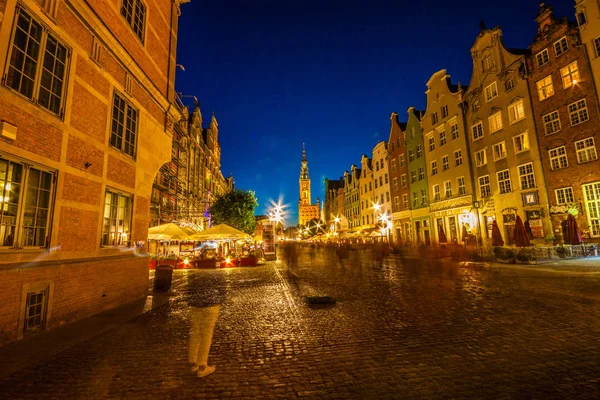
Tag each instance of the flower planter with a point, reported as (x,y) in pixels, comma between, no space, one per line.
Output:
(248,261)
(206,263)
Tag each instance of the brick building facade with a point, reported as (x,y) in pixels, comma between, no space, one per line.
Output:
(85,124)
(398,170)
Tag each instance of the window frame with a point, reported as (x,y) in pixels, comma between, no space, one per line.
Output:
(493,85)
(584,150)
(487,185)
(445,163)
(131,23)
(436,192)
(477,158)
(524,135)
(578,111)
(128,105)
(556,156)
(540,57)
(542,88)
(448,189)
(565,191)
(462,185)
(563,49)
(434,168)
(513,111)
(458,159)
(551,122)
(495,122)
(503,187)
(501,156)
(524,181)
(572,76)
(454,131)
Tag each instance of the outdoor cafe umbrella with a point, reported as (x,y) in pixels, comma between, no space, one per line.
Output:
(220,232)
(168,231)
(528,230)
(442,234)
(496,235)
(521,239)
(464,233)
(573,234)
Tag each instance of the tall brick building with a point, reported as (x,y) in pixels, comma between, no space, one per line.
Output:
(86,120)
(565,106)
(398,177)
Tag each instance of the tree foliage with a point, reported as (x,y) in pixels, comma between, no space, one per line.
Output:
(235,209)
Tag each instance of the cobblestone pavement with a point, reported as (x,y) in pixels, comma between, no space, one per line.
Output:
(407,329)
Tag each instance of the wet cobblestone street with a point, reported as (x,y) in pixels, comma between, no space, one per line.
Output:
(407,329)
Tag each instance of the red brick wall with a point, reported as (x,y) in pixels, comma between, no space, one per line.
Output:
(114,68)
(89,72)
(120,171)
(88,113)
(79,151)
(82,190)
(78,230)
(147,103)
(73,26)
(78,290)
(34,134)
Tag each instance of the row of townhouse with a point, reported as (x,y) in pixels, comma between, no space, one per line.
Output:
(519,140)
(87,116)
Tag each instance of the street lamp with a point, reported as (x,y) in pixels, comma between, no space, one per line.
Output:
(336,221)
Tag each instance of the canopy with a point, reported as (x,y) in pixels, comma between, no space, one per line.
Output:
(169,231)
(220,232)
(521,239)
(496,235)
(573,234)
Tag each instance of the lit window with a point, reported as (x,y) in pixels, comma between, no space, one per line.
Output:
(442,138)
(445,163)
(405,201)
(578,112)
(403,180)
(542,57)
(411,155)
(504,181)
(499,150)
(134,12)
(436,192)
(480,158)
(477,131)
(393,160)
(551,122)
(401,160)
(396,203)
(586,150)
(495,121)
(413,176)
(431,143)
(527,176)
(592,202)
(124,126)
(421,173)
(395,183)
(462,188)
(558,158)
(415,199)
(510,84)
(448,189)
(521,142)
(561,46)
(570,75)
(37,64)
(564,195)
(26,200)
(419,151)
(491,91)
(434,168)
(458,158)
(454,131)
(545,88)
(516,111)
(423,196)
(484,186)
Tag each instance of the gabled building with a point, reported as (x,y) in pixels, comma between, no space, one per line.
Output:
(418,199)
(352,198)
(330,209)
(565,107)
(381,187)
(367,196)
(506,164)
(447,155)
(398,174)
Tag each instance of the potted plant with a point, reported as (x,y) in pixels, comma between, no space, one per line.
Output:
(504,255)
(525,256)
(550,238)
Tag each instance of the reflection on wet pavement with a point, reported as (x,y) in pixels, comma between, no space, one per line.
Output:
(403,329)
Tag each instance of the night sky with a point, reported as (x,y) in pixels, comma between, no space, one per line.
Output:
(327,73)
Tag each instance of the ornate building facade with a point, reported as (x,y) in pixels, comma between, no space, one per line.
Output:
(396,149)
(306,210)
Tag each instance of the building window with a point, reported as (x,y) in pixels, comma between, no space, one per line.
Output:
(551,122)
(395,183)
(561,46)
(123,130)
(386,179)
(405,201)
(542,57)
(475,105)
(116,229)
(516,111)
(545,88)
(592,202)
(487,63)
(448,189)
(570,75)
(564,195)
(403,180)
(597,46)
(412,132)
(396,203)
(444,111)
(442,138)
(581,20)
(436,192)
(134,12)
(454,131)
(578,112)
(387,196)
(491,91)
(434,168)
(499,151)
(586,150)
(380,181)
(434,118)
(558,158)
(495,121)
(445,163)
(462,188)
(393,164)
(509,84)
(376,183)
(431,143)
(377,166)
(413,176)
(504,181)
(526,176)
(458,158)
(411,155)
(401,160)
(26,200)
(521,142)
(37,64)
(477,131)
(421,173)
(484,186)
(415,199)
(480,158)
(423,196)
(419,151)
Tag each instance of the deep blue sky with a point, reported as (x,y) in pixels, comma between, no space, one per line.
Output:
(327,73)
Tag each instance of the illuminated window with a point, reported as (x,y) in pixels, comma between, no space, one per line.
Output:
(564,195)
(504,181)
(421,173)
(395,183)
(491,91)
(558,158)
(477,131)
(405,201)
(448,189)
(499,151)
(419,151)
(510,84)
(521,142)
(403,180)
(462,188)
(454,131)
(401,160)
(570,75)
(592,203)
(413,176)
(516,111)
(545,88)
(480,158)
(561,46)
(578,112)
(411,155)
(586,150)
(458,158)
(526,176)
(134,12)
(495,121)
(423,196)
(551,122)
(436,192)
(542,57)
(434,168)
(445,163)
(484,186)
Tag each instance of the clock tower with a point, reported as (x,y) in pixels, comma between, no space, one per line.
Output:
(306,210)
